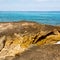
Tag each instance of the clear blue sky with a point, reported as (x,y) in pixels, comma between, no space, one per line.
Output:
(29,5)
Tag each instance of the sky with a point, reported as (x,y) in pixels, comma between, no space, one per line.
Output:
(29,5)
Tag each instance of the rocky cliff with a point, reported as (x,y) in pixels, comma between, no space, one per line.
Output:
(18,37)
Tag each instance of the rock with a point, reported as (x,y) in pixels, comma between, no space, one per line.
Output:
(20,36)
(2,40)
(46,52)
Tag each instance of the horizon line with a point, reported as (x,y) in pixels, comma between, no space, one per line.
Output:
(30,10)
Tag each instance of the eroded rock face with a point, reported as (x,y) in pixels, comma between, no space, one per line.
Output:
(17,37)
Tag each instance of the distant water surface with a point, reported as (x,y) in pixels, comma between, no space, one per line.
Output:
(46,17)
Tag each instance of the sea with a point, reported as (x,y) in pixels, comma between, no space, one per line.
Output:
(45,17)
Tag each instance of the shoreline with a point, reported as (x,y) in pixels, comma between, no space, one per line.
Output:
(29,22)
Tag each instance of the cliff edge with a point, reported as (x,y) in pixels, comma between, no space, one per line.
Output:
(17,37)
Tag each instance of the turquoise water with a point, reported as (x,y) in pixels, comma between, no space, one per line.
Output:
(46,17)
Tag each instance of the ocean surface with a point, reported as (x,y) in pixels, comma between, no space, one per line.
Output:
(45,17)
